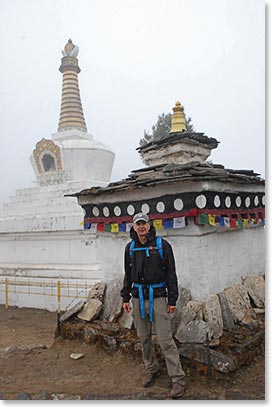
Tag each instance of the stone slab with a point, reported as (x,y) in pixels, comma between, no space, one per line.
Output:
(238,301)
(213,314)
(91,310)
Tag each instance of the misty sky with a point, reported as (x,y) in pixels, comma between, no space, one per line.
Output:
(137,58)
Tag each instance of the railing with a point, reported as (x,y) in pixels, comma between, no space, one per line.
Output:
(58,289)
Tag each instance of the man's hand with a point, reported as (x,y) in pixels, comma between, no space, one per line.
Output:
(126,307)
(171,309)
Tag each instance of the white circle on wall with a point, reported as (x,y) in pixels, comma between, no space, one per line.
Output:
(217,201)
(160,207)
(178,204)
(130,210)
(201,201)
(247,201)
(228,201)
(106,211)
(95,211)
(256,200)
(238,201)
(263,200)
(145,208)
(117,210)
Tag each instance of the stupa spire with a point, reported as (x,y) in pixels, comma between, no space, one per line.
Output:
(71,114)
(178,123)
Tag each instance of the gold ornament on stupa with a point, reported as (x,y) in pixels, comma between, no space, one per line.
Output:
(178,123)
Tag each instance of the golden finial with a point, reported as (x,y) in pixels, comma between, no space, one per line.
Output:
(178,123)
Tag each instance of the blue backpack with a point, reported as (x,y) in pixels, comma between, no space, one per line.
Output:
(157,247)
(150,286)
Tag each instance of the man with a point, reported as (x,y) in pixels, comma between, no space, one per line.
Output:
(151,280)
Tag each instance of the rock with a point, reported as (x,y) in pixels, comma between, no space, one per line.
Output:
(195,331)
(259,311)
(256,289)
(2,397)
(137,347)
(249,319)
(42,396)
(197,307)
(213,314)
(76,356)
(184,297)
(126,320)
(238,301)
(199,353)
(90,335)
(71,311)
(91,310)
(109,342)
(61,396)
(228,322)
(184,315)
(23,396)
(113,303)
(249,343)
(97,292)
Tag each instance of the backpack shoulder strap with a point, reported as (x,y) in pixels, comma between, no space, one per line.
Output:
(159,246)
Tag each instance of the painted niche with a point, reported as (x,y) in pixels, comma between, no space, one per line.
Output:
(47,156)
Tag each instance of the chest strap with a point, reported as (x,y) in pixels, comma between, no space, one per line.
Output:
(151,296)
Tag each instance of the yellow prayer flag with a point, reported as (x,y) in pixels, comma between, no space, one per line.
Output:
(245,221)
(114,228)
(157,223)
(212,220)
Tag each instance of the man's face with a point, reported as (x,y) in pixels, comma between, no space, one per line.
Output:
(141,228)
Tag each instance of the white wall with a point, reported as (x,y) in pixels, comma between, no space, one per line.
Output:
(207,261)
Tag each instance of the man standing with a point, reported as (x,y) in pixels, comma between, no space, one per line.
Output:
(151,280)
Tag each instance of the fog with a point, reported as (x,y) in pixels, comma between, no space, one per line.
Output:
(137,58)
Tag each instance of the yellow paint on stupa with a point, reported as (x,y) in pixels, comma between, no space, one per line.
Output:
(178,123)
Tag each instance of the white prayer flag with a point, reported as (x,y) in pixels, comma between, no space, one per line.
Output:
(93,227)
(128,227)
(179,222)
(227,222)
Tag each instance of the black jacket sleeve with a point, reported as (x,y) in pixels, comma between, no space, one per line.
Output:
(125,292)
(171,276)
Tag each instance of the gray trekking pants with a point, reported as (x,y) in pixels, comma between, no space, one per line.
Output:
(164,336)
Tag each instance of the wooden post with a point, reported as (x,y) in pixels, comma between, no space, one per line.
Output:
(6,289)
(58,297)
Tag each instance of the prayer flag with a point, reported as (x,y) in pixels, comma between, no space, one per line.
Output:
(220,220)
(100,227)
(122,227)
(240,223)
(212,220)
(93,227)
(179,222)
(245,223)
(128,227)
(168,223)
(157,223)
(107,227)
(232,223)
(114,228)
(227,222)
(203,219)
(86,225)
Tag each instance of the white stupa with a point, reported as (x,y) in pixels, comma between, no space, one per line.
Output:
(69,162)
(46,259)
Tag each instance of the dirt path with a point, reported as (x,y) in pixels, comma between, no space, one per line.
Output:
(33,362)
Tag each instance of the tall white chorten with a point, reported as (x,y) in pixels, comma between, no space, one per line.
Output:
(69,162)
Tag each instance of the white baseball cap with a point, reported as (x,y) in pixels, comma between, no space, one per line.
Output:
(140,216)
